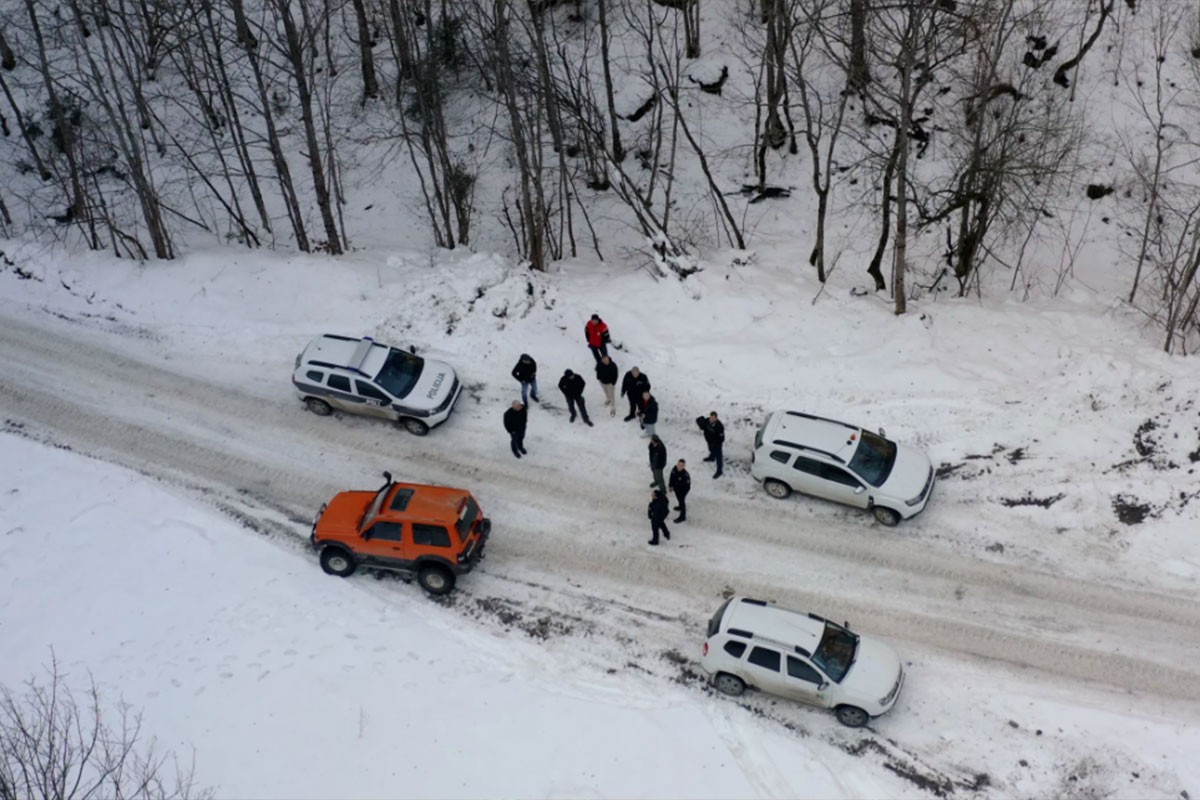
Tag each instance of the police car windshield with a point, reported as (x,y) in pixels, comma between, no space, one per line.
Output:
(874,458)
(400,373)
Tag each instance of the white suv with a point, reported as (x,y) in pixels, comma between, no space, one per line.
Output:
(363,376)
(825,458)
(803,657)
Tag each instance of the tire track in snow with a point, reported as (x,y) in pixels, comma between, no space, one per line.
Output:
(185,430)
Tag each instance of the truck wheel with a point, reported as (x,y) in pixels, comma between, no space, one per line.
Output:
(318,406)
(435,579)
(414,426)
(336,561)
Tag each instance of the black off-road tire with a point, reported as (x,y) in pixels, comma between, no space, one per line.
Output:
(336,561)
(435,579)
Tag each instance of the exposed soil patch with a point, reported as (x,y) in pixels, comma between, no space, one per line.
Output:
(1030,500)
(509,614)
(1131,512)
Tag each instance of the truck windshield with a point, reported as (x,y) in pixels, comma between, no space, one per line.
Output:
(874,458)
(376,504)
(836,652)
(400,373)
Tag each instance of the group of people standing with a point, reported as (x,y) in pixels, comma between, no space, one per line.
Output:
(643,406)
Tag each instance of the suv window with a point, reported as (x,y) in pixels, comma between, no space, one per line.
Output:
(339,382)
(838,475)
(315,376)
(735,649)
(433,535)
(401,499)
(836,652)
(874,458)
(386,531)
(798,669)
(781,456)
(367,390)
(807,465)
(767,659)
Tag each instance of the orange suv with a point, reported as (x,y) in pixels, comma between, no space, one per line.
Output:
(432,532)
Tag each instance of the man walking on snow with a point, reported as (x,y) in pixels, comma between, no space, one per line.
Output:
(514,423)
(714,437)
(526,374)
(571,385)
(657,512)
(596,333)
(634,385)
(681,484)
(606,374)
(658,462)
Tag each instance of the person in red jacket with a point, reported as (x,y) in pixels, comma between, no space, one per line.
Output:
(596,333)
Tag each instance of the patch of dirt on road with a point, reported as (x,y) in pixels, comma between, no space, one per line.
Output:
(1131,511)
(1030,500)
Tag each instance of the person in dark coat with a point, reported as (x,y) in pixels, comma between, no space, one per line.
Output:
(714,436)
(596,333)
(606,374)
(514,423)
(680,483)
(657,512)
(649,413)
(634,385)
(571,385)
(526,373)
(658,462)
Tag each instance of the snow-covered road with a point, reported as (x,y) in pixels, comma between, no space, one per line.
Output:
(560,534)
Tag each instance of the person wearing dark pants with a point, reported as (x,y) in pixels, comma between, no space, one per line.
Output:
(714,437)
(634,385)
(596,333)
(680,483)
(514,422)
(571,385)
(658,462)
(657,512)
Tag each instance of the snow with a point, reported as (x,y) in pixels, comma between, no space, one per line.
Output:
(158,476)
(288,683)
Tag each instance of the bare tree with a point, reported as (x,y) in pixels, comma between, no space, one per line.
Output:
(55,747)
(365,42)
(858,75)
(823,103)
(618,151)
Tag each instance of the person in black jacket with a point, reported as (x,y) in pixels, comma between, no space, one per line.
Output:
(714,436)
(657,512)
(606,374)
(571,385)
(633,385)
(514,423)
(658,462)
(526,372)
(681,484)
(649,413)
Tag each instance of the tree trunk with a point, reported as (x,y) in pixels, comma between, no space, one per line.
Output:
(902,140)
(247,40)
(691,28)
(370,82)
(618,151)
(859,74)
(8,59)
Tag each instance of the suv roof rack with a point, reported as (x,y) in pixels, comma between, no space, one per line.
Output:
(802,415)
(798,446)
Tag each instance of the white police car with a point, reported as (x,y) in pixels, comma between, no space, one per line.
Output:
(363,376)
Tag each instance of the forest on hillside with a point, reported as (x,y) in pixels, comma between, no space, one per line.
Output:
(955,128)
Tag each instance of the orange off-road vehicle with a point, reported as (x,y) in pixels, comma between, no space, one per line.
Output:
(434,533)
